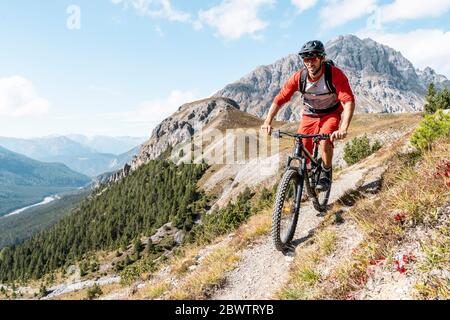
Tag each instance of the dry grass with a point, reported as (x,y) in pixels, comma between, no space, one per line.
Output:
(363,123)
(410,197)
(436,249)
(255,227)
(152,291)
(305,273)
(82,294)
(207,276)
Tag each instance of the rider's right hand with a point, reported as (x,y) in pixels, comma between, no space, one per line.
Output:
(266,128)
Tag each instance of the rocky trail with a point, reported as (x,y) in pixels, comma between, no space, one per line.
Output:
(262,270)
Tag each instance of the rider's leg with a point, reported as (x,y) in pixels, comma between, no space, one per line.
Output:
(329,124)
(308,125)
(326,150)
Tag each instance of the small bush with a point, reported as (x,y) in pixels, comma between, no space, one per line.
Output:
(94,292)
(429,129)
(43,292)
(223,220)
(359,148)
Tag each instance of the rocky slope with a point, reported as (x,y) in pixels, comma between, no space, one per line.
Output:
(179,127)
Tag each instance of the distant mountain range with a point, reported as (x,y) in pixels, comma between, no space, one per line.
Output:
(24,181)
(105,144)
(88,155)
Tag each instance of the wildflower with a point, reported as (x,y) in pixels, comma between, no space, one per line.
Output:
(442,169)
(350,296)
(399,267)
(399,217)
(407,258)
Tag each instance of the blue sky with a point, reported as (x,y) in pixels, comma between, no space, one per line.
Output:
(119,67)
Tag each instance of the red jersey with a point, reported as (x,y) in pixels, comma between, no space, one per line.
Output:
(317,97)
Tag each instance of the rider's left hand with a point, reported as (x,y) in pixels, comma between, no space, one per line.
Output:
(340,134)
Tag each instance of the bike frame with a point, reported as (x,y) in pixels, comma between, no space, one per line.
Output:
(301,154)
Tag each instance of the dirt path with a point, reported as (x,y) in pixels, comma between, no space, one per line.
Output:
(262,270)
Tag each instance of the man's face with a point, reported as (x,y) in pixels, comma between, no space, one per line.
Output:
(313,65)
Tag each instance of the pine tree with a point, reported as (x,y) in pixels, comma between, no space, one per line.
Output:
(442,99)
(430,106)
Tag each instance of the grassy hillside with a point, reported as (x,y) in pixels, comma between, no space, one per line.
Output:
(24,181)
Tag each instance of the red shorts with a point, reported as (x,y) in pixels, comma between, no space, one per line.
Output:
(327,123)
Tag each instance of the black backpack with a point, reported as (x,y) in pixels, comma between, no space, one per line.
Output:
(328,77)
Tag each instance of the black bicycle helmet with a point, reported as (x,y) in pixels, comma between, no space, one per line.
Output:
(312,49)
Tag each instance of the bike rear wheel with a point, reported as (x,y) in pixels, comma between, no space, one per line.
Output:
(287,208)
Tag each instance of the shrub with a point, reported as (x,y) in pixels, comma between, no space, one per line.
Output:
(359,148)
(223,220)
(94,292)
(429,129)
(42,291)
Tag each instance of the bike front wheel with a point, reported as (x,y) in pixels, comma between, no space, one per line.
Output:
(287,208)
(320,201)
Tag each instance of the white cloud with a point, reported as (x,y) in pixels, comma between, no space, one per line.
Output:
(155,110)
(423,47)
(339,12)
(162,108)
(236,18)
(409,9)
(155,8)
(18,98)
(303,5)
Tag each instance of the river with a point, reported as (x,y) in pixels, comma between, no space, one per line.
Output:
(45,201)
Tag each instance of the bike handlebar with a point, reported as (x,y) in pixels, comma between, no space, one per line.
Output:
(279,134)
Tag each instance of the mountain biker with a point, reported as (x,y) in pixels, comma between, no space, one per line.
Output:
(323,104)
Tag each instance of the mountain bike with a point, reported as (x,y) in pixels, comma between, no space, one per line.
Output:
(297,174)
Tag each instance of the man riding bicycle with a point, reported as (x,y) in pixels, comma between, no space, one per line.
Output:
(326,94)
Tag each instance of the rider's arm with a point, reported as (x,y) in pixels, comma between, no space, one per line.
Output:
(349,108)
(272,113)
(286,93)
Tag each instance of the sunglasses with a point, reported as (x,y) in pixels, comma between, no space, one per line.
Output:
(310,59)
